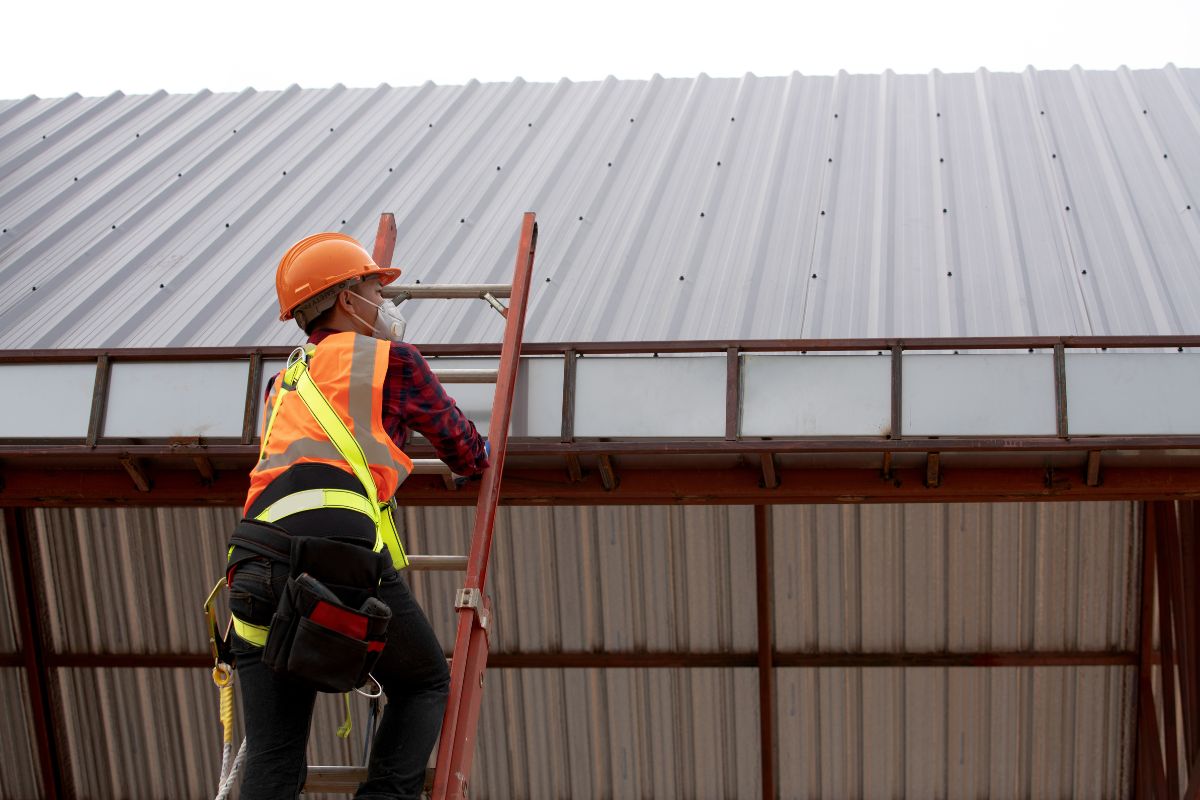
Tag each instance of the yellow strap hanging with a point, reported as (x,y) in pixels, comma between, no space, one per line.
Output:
(344,731)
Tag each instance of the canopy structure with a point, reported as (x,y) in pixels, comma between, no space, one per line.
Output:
(854,451)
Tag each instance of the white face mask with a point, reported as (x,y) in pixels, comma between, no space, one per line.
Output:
(389,323)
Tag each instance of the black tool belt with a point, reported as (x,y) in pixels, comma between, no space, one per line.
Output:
(330,625)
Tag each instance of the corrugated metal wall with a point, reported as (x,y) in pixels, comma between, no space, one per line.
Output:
(928,578)
(986,204)
(20,776)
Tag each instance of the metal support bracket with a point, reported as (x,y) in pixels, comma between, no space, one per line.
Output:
(491,300)
(473,598)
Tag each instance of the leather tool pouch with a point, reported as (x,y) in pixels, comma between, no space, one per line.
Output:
(330,626)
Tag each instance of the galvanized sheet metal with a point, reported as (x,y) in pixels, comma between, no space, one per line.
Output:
(924,205)
(1034,732)
(10,639)
(936,578)
(942,578)
(21,776)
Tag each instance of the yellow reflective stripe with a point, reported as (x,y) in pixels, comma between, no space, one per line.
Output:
(279,392)
(391,537)
(339,435)
(313,499)
(254,634)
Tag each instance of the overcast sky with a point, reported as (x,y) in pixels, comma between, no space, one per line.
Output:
(53,49)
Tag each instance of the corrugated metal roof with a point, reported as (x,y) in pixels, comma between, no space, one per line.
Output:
(924,205)
(925,578)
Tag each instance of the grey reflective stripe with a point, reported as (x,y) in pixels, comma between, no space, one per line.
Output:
(301,448)
(362,389)
(362,374)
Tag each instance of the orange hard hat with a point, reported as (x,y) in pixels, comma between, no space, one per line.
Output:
(317,262)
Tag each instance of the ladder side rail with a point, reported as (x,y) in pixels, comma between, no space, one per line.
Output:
(470,646)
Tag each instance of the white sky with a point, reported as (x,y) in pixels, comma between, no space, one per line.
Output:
(137,46)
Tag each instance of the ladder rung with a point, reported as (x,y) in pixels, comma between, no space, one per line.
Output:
(334,779)
(437,563)
(467,375)
(430,466)
(344,779)
(447,291)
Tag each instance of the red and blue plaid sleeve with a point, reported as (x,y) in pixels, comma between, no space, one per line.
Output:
(414,398)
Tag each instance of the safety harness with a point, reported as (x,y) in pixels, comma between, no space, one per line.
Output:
(296,378)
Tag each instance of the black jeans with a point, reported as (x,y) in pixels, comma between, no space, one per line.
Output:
(412,670)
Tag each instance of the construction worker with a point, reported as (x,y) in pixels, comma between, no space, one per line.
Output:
(307,484)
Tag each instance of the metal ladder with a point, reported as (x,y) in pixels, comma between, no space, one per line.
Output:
(449,779)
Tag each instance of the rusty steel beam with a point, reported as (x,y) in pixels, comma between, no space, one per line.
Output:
(33,653)
(733,393)
(253,382)
(49,487)
(668,660)
(638,347)
(766,647)
(1149,771)
(231,448)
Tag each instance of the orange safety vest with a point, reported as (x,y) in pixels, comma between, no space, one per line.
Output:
(349,369)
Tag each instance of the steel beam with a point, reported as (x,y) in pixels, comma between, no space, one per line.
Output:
(670,660)
(48,487)
(33,652)
(766,647)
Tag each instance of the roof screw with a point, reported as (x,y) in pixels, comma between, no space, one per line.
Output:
(1189,208)
(162,286)
(331,130)
(137,136)
(941,161)
(1085,272)
(822,213)
(1143,111)
(179,175)
(226,225)
(945,211)
(581,219)
(814,275)
(547,280)
(631,119)
(829,160)
(114,227)
(1068,208)
(610,163)
(1031,349)
(702,213)
(389,169)
(75,179)
(35,288)
(1043,113)
(1054,155)
(948,274)
(680,277)
(285,172)
(835,116)
(235,130)
(718,163)
(733,119)
(1164,155)
(529,125)
(1180,349)
(464,219)
(431,124)
(497,168)
(343,222)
